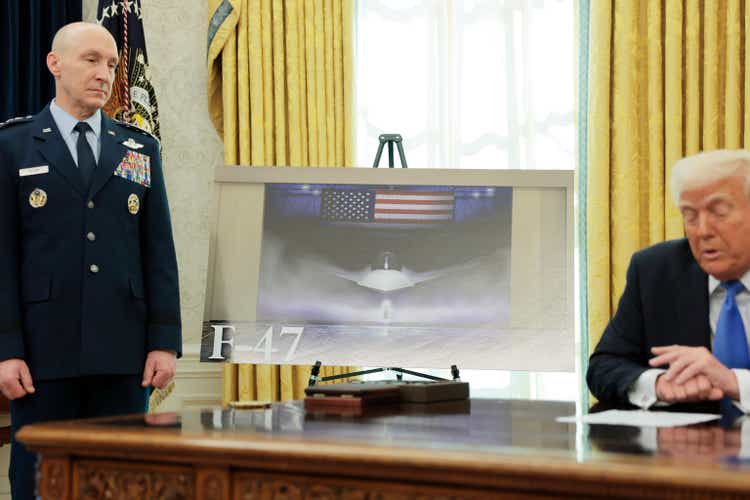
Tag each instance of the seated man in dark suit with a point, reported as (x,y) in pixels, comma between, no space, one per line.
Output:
(89,301)
(680,330)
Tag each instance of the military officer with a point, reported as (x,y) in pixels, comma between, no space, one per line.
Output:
(89,302)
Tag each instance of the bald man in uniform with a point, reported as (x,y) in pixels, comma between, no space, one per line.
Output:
(89,303)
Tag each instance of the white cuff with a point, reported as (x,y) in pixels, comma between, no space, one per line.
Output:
(642,392)
(743,381)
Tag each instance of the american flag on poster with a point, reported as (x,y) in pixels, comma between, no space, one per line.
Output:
(413,206)
(388,206)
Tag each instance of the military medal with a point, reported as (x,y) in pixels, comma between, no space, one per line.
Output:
(133,204)
(38,198)
(135,167)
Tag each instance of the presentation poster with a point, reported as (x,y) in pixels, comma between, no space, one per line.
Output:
(423,275)
(380,255)
(377,275)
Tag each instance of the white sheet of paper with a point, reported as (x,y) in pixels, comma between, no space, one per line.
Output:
(641,418)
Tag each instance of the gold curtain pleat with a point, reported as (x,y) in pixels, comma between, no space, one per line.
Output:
(280,81)
(667,79)
(280,93)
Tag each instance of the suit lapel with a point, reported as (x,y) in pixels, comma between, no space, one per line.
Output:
(111,154)
(692,307)
(52,146)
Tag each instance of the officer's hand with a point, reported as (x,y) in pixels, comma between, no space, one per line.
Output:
(159,369)
(15,378)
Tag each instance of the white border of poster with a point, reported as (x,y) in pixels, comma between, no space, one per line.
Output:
(364,294)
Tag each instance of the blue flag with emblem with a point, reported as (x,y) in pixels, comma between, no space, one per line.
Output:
(133,97)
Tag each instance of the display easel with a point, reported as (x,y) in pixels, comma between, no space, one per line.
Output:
(390,139)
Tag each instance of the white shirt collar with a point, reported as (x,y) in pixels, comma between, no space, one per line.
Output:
(66,123)
(713,283)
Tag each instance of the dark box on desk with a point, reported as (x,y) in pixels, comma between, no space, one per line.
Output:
(350,397)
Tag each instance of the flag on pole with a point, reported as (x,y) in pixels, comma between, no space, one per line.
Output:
(133,98)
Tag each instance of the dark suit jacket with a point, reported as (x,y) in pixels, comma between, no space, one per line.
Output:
(62,316)
(665,302)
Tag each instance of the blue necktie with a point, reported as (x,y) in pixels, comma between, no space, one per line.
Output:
(86,161)
(730,342)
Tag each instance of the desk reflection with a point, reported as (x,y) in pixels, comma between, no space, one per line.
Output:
(493,426)
(700,442)
(726,438)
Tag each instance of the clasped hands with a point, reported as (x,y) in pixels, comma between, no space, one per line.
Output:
(694,374)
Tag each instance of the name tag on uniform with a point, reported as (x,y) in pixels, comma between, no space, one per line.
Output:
(41,169)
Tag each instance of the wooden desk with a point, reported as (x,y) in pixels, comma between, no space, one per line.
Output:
(479,449)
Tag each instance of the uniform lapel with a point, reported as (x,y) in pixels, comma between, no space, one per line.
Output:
(52,146)
(692,307)
(110,155)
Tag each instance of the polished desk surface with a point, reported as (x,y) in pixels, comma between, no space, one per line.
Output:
(482,442)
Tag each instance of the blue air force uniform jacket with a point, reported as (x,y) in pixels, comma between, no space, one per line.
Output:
(88,276)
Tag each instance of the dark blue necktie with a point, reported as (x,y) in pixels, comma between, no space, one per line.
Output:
(86,161)
(730,342)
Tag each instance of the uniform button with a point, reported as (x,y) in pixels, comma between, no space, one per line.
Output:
(94,268)
(91,236)
(90,204)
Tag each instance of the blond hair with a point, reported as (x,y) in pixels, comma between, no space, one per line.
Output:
(704,168)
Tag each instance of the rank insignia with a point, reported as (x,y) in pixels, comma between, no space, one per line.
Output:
(134,204)
(38,198)
(135,167)
(132,144)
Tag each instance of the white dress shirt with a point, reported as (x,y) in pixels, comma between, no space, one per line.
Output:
(66,125)
(643,391)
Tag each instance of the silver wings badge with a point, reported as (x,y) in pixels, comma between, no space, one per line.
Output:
(132,144)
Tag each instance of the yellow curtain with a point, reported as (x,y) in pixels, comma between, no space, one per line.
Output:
(667,79)
(280,93)
(280,81)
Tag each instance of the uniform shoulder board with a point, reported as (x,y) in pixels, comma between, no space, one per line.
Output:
(137,129)
(15,121)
